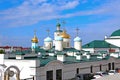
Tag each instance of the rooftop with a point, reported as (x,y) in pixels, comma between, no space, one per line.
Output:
(45,58)
(98,44)
(116,33)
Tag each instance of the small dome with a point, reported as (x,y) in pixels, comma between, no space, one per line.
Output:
(77,39)
(116,33)
(48,39)
(58,24)
(35,39)
(64,35)
(58,38)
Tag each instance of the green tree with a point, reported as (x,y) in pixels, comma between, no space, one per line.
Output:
(2,51)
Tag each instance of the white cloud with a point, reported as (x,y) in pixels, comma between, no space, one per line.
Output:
(70,5)
(33,11)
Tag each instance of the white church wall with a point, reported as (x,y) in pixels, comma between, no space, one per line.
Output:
(78,45)
(70,53)
(53,65)
(25,67)
(68,70)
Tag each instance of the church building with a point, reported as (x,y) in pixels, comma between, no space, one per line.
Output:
(58,60)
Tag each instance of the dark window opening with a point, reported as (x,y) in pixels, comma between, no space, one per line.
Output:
(49,75)
(109,66)
(59,74)
(67,44)
(77,71)
(100,67)
(91,69)
(113,66)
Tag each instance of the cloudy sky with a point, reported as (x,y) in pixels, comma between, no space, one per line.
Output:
(19,19)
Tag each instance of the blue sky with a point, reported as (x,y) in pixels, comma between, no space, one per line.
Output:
(19,19)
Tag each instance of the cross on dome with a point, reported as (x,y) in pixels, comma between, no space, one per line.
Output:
(63,22)
(77,30)
(48,31)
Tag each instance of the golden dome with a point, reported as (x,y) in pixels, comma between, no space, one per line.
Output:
(35,39)
(64,34)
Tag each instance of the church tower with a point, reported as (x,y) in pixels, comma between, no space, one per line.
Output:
(77,42)
(34,42)
(48,43)
(66,39)
(58,30)
(65,36)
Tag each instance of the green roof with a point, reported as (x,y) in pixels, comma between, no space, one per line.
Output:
(71,50)
(116,33)
(98,44)
(60,53)
(45,58)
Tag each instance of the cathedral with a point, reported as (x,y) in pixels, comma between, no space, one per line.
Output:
(58,60)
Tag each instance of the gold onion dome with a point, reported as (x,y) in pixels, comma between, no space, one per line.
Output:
(64,35)
(34,39)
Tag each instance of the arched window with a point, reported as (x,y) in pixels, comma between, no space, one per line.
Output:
(67,44)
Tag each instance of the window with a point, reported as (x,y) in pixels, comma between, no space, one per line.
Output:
(77,71)
(50,45)
(100,67)
(67,44)
(91,69)
(59,74)
(49,75)
(113,66)
(109,66)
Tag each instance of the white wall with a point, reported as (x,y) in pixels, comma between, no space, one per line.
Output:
(25,67)
(65,42)
(113,41)
(69,70)
(89,49)
(78,45)
(59,45)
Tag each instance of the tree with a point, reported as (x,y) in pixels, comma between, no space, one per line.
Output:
(2,51)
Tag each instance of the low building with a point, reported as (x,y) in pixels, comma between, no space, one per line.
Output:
(100,45)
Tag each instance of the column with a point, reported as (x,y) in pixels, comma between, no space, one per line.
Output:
(7,76)
(54,74)
(17,76)
(4,76)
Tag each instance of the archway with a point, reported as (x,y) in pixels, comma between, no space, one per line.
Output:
(10,72)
